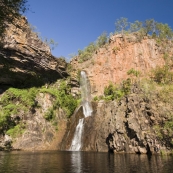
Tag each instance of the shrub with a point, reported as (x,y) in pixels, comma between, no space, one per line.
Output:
(126,86)
(95,98)
(25,99)
(133,72)
(49,115)
(101,40)
(115,49)
(112,91)
(162,75)
(16,130)
(26,96)
(88,51)
(63,99)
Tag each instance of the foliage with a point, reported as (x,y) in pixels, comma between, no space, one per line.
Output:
(49,115)
(126,86)
(165,131)
(51,43)
(101,40)
(163,31)
(96,98)
(136,26)
(16,130)
(9,10)
(63,99)
(13,101)
(162,75)
(115,49)
(26,96)
(148,27)
(166,93)
(133,72)
(88,51)
(121,24)
(112,91)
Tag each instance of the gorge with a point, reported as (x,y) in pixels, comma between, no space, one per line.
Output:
(125,90)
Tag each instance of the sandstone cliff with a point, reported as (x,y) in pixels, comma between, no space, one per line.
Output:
(28,119)
(141,120)
(25,60)
(138,122)
(122,53)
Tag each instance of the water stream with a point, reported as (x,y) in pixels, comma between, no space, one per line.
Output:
(76,142)
(87,111)
(85,94)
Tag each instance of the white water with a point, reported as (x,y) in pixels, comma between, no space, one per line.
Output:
(87,111)
(86,95)
(76,142)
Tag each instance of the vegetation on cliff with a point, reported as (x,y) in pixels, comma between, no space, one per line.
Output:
(9,10)
(16,103)
(151,28)
(86,54)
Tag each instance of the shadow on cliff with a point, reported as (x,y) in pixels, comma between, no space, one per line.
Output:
(26,73)
(109,140)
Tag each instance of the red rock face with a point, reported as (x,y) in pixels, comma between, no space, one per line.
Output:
(112,62)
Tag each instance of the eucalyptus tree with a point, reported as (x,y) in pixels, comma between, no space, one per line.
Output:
(121,24)
(101,40)
(136,26)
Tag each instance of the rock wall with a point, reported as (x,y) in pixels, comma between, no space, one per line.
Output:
(126,126)
(112,62)
(25,60)
(38,133)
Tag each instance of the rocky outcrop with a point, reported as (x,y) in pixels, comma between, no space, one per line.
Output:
(112,62)
(25,60)
(129,125)
(36,133)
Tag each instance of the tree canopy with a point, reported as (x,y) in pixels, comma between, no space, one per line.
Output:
(147,27)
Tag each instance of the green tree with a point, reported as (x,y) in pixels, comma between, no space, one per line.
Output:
(101,40)
(150,26)
(51,43)
(136,26)
(164,31)
(121,24)
(10,9)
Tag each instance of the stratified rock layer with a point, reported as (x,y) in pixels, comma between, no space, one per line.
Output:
(25,60)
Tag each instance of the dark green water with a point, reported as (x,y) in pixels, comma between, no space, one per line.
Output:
(82,162)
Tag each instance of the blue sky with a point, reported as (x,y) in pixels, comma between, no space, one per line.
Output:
(76,23)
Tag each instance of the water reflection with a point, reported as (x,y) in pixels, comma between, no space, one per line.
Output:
(82,162)
(76,162)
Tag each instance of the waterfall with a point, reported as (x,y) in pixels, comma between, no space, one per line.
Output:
(85,94)
(76,142)
(87,111)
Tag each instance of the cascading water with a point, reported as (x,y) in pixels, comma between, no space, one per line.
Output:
(86,94)
(87,111)
(76,142)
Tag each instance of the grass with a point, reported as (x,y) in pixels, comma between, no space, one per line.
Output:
(16,130)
